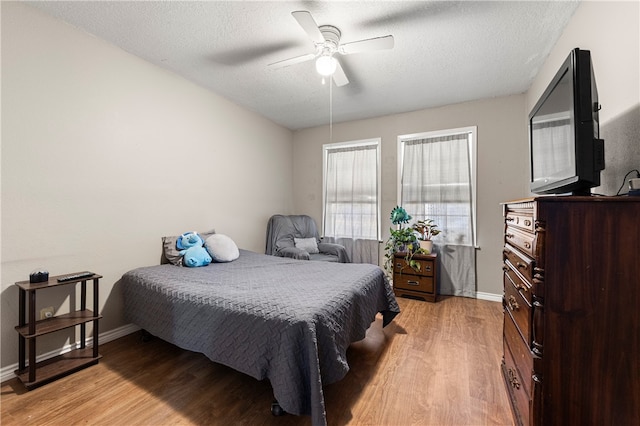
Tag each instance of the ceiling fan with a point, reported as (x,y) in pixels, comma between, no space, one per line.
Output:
(326,39)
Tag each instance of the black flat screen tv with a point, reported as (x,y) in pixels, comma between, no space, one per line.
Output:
(565,150)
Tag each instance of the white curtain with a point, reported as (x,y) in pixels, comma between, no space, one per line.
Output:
(351,201)
(437,184)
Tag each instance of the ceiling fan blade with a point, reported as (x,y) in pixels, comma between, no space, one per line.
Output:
(292,61)
(377,43)
(339,77)
(309,25)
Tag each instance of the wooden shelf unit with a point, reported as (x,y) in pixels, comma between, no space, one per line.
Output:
(34,374)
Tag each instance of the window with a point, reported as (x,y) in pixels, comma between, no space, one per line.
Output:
(351,190)
(437,181)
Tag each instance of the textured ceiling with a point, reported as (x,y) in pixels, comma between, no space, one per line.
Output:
(445,52)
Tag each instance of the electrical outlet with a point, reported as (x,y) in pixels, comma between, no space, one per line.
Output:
(46,312)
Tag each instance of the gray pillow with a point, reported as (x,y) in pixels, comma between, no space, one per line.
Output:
(310,245)
(221,248)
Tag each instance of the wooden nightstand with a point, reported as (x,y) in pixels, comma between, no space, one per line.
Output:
(409,282)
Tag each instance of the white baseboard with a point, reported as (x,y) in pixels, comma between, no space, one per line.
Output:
(489,296)
(7,372)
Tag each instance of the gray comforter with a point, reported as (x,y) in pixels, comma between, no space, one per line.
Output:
(285,320)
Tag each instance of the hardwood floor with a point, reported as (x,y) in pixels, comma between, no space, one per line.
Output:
(436,364)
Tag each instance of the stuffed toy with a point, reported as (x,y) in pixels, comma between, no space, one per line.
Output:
(192,250)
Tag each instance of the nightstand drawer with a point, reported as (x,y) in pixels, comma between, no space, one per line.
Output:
(426,267)
(413,282)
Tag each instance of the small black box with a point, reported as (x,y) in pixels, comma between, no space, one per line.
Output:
(39,277)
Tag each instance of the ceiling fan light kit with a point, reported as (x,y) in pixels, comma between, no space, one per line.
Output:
(326,39)
(326,65)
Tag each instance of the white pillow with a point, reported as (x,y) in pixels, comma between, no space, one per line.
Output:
(310,245)
(221,248)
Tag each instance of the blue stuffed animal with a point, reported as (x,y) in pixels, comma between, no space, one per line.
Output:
(192,250)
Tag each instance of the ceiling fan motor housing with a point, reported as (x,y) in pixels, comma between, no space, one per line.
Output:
(331,35)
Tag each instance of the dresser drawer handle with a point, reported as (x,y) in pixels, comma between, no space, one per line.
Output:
(513,304)
(509,235)
(399,265)
(527,222)
(527,244)
(509,219)
(521,265)
(513,379)
(413,283)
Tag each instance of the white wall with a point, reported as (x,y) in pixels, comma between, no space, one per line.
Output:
(611,31)
(502,163)
(104,153)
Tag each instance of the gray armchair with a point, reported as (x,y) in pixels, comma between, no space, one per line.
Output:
(283,230)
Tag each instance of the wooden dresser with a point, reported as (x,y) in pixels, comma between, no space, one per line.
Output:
(572,310)
(420,284)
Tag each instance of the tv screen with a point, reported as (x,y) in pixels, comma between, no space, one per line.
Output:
(566,153)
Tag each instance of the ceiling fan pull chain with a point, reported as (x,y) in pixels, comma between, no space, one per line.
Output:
(330,111)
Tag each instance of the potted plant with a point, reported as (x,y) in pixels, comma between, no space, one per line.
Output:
(401,240)
(425,230)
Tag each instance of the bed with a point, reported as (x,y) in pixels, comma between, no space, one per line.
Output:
(285,320)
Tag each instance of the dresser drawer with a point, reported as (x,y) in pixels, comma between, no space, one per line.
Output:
(520,239)
(518,308)
(522,286)
(517,392)
(521,262)
(414,283)
(521,221)
(520,352)
(426,266)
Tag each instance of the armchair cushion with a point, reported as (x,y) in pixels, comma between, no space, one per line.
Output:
(293,253)
(310,245)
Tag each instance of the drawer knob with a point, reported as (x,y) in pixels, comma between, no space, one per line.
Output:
(527,222)
(527,244)
(513,304)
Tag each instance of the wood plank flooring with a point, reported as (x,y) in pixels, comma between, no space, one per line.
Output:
(436,364)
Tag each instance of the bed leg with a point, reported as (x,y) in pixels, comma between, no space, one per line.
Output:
(146,336)
(276,409)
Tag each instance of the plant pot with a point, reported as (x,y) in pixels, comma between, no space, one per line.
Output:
(426,245)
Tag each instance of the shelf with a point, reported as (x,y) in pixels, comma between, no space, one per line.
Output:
(58,322)
(33,374)
(60,366)
(53,282)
